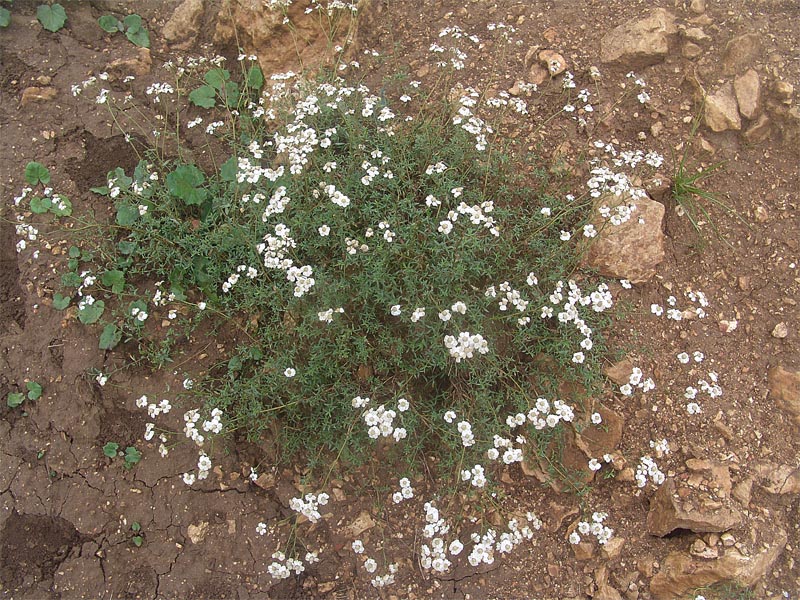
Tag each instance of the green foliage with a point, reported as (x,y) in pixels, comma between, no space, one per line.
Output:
(36,173)
(14,399)
(111,449)
(91,313)
(184,183)
(52,17)
(5,17)
(110,337)
(59,205)
(131,26)
(34,390)
(218,85)
(132,457)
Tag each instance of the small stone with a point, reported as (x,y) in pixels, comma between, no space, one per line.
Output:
(38,94)
(613,548)
(726,326)
(698,7)
(620,372)
(727,540)
(44,79)
(758,131)
(197,533)
(360,524)
(583,550)
(721,111)
(783,90)
(701,550)
(780,331)
(760,213)
(656,129)
(691,50)
(554,62)
(696,34)
(748,94)
(784,389)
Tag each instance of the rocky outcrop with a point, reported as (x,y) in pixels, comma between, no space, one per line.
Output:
(183,26)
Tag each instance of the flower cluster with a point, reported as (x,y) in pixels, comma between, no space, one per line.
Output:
(647,468)
(309,505)
(465,345)
(594,527)
(282,567)
(406,491)
(471,123)
(381,422)
(635,381)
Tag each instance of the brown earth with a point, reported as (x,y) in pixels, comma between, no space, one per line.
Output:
(65,524)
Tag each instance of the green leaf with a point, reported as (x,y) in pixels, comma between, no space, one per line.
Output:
(71,280)
(110,23)
(115,279)
(231,93)
(136,527)
(229,169)
(40,205)
(204,96)
(102,190)
(255,77)
(91,313)
(34,390)
(183,182)
(62,207)
(140,37)
(51,17)
(111,449)
(60,302)
(5,17)
(127,214)
(132,22)
(126,247)
(74,252)
(110,337)
(132,456)
(36,172)
(15,399)
(216,78)
(137,541)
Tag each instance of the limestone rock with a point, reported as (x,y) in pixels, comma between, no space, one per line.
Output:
(741,52)
(759,131)
(197,533)
(184,24)
(784,388)
(38,94)
(748,94)
(604,591)
(633,249)
(136,65)
(680,505)
(778,479)
(783,90)
(691,50)
(360,524)
(620,372)
(698,7)
(597,440)
(639,42)
(721,111)
(680,573)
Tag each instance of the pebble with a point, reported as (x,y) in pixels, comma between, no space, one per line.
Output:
(780,331)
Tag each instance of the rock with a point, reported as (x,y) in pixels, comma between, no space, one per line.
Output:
(137,65)
(698,7)
(197,533)
(748,94)
(633,249)
(780,331)
(728,325)
(743,490)
(553,62)
(640,42)
(691,50)
(696,34)
(721,111)
(360,524)
(758,131)
(184,24)
(778,479)
(537,74)
(583,550)
(38,94)
(683,506)
(783,90)
(612,548)
(701,550)
(597,440)
(741,52)
(603,590)
(680,573)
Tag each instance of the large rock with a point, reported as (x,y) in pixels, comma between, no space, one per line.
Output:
(184,24)
(784,388)
(748,94)
(681,573)
(633,249)
(722,111)
(698,500)
(777,479)
(741,52)
(639,42)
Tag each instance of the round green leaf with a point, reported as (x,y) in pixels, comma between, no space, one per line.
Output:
(183,182)
(5,17)
(60,302)
(40,205)
(127,214)
(204,96)
(110,449)
(132,22)
(14,399)
(110,337)
(51,17)
(34,390)
(115,279)
(110,23)
(140,37)
(36,172)
(137,541)
(91,313)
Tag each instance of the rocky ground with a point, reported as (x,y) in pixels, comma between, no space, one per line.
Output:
(728,511)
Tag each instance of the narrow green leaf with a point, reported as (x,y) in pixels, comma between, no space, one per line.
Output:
(102,190)
(51,17)
(36,172)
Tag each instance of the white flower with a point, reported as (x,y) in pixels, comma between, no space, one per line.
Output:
(370,565)
(594,465)
(189,478)
(449,416)
(402,405)
(395,310)
(683,358)
(290,372)
(574,538)
(597,418)
(261,528)
(656,309)
(324,230)
(358,546)
(578,357)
